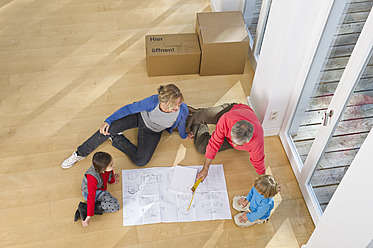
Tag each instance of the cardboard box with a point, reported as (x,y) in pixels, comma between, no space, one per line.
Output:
(172,54)
(224,42)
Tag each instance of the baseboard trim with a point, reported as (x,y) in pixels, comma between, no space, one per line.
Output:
(271,132)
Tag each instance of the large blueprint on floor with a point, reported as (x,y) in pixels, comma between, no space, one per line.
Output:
(147,197)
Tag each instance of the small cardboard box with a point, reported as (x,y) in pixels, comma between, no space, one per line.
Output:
(224,42)
(172,54)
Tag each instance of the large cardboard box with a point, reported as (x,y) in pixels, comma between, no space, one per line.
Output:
(224,42)
(172,54)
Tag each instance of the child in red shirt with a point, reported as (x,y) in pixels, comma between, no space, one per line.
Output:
(94,187)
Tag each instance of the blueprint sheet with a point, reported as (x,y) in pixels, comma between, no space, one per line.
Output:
(147,197)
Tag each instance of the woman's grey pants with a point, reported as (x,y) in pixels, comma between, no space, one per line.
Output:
(109,203)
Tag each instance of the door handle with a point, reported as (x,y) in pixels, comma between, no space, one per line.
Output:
(327,116)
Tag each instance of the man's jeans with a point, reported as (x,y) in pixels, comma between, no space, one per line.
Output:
(199,118)
(140,154)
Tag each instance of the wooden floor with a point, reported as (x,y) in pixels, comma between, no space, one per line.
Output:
(357,119)
(64,67)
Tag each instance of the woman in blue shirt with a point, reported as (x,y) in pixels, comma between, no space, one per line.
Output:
(256,207)
(152,115)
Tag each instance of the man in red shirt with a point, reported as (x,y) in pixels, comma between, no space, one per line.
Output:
(236,126)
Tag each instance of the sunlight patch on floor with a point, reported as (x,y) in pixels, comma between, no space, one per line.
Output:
(180,155)
(234,94)
(277,199)
(215,236)
(284,237)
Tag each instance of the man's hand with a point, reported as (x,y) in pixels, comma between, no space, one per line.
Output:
(85,222)
(202,174)
(105,129)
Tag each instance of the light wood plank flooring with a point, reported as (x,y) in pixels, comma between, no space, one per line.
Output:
(64,67)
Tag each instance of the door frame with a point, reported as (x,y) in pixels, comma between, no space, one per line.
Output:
(349,79)
(312,64)
(254,47)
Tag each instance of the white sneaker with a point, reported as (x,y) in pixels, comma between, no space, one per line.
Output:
(70,161)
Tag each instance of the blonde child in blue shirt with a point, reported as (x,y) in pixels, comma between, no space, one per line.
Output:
(256,207)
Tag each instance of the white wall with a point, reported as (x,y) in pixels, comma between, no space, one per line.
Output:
(348,219)
(290,30)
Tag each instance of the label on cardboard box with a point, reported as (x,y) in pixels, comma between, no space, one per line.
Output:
(172,43)
(172,54)
(163,50)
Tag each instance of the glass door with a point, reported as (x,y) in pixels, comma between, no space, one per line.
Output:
(333,114)
(255,15)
